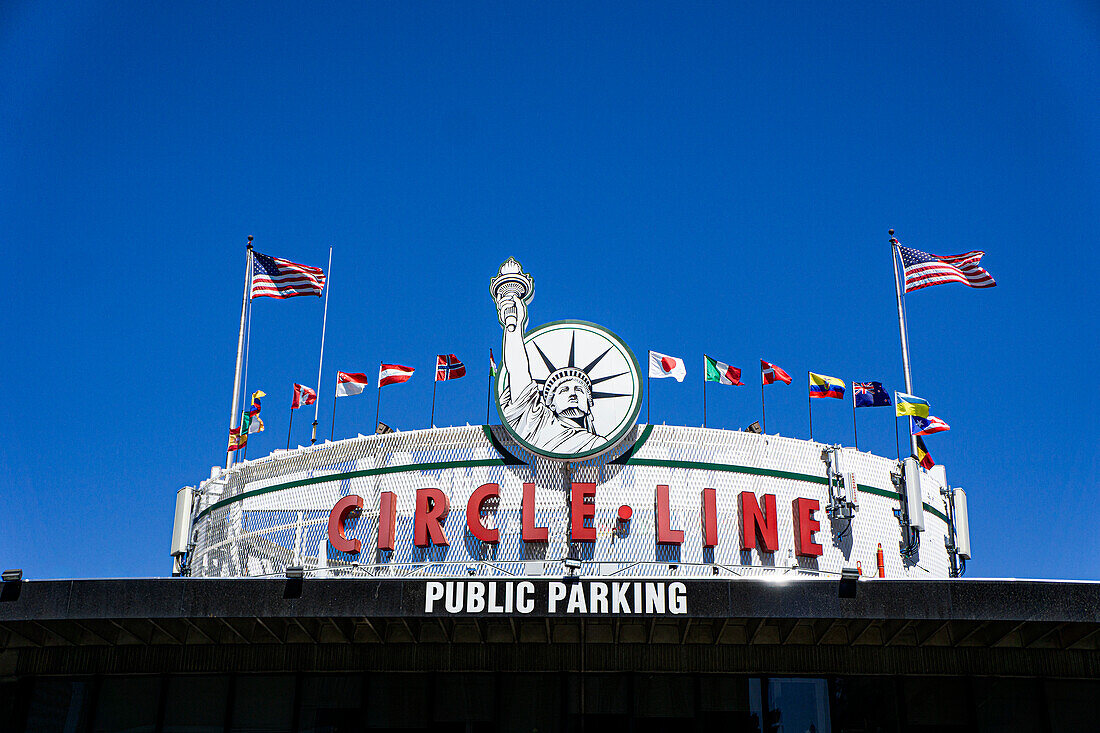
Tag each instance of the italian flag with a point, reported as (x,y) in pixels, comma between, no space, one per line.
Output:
(716,371)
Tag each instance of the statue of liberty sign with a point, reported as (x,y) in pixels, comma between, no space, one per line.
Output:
(566,390)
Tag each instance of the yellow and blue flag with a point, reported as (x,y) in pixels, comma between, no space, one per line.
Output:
(907,404)
(822,386)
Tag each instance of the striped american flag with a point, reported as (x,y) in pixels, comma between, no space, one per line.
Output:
(923,270)
(274,277)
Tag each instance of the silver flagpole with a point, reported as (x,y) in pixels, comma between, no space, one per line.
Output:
(240,349)
(321,359)
(894,254)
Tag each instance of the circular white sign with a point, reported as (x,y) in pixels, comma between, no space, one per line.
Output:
(576,390)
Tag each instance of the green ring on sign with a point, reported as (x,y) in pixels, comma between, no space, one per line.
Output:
(619,431)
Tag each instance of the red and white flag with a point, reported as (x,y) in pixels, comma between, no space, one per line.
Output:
(447,366)
(302,396)
(349,383)
(393,374)
(661,366)
(770,373)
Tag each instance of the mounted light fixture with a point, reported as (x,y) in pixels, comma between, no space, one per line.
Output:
(849,578)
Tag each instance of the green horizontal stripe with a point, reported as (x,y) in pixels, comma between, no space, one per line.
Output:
(729,468)
(770,472)
(349,475)
(631,461)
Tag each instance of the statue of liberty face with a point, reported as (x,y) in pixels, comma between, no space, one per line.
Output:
(571,398)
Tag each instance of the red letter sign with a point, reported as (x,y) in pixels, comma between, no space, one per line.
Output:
(754,523)
(581,510)
(710,518)
(337,517)
(431,510)
(804,527)
(665,534)
(387,519)
(531,533)
(473,513)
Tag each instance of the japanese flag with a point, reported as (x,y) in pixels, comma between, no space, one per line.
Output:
(666,366)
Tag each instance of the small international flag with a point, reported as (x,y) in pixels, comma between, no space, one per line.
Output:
(236,440)
(274,277)
(870,394)
(822,386)
(923,270)
(393,374)
(924,456)
(447,366)
(302,396)
(662,366)
(922,426)
(350,383)
(770,373)
(492,364)
(716,371)
(907,404)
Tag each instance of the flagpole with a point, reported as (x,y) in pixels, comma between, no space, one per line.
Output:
(894,244)
(648,401)
(489,391)
(431,423)
(332,430)
(704,390)
(855,430)
(763,416)
(321,358)
(810,405)
(290,427)
(897,437)
(378,402)
(240,348)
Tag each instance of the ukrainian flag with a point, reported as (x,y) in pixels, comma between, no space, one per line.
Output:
(907,404)
(822,386)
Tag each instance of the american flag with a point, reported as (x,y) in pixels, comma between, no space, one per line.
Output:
(923,270)
(447,366)
(275,277)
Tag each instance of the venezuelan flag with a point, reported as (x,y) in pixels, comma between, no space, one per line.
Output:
(907,404)
(822,386)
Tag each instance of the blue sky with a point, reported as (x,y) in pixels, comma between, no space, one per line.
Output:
(704,177)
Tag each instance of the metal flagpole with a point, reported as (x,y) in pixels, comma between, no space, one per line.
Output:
(431,423)
(290,427)
(648,401)
(810,405)
(894,254)
(378,403)
(704,390)
(240,348)
(332,431)
(855,430)
(489,393)
(763,416)
(897,438)
(321,359)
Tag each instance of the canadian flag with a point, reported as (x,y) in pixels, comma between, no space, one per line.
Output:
(393,374)
(661,366)
(303,395)
(349,383)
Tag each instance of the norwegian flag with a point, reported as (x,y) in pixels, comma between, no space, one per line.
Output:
(924,270)
(447,366)
(770,373)
(303,395)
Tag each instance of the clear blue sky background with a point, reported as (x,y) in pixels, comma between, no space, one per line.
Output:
(698,177)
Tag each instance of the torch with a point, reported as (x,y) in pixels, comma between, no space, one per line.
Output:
(511,280)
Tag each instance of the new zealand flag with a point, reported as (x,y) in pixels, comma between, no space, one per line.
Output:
(870,394)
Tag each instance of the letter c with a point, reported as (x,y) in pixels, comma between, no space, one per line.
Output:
(336,518)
